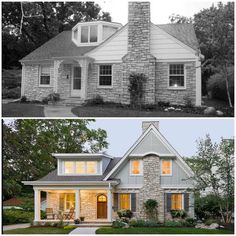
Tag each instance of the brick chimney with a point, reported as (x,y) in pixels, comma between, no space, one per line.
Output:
(138,58)
(146,124)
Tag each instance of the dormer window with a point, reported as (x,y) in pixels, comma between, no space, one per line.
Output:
(89,34)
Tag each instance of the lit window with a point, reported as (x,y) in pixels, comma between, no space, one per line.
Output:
(176,75)
(69,201)
(124,201)
(135,167)
(166,167)
(176,201)
(91,167)
(69,167)
(102,198)
(105,75)
(45,75)
(80,167)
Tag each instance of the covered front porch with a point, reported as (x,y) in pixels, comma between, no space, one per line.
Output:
(68,204)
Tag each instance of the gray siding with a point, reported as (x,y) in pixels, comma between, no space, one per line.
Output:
(151,144)
(178,177)
(126,180)
(105,162)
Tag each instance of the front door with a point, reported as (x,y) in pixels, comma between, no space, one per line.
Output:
(101,206)
(76,82)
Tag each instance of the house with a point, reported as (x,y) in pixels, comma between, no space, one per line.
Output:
(96,185)
(97,58)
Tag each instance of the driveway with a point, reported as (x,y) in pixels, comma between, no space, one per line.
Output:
(58,111)
(16,226)
(84,230)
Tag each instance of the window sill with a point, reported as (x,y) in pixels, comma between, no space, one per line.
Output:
(105,87)
(176,88)
(45,86)
(166,175)
(136,174)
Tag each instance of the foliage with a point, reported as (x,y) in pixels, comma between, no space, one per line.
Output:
(178,213)
(46,21)
(11,93)
(164,104)
(97,100)
(170,223)
(211,221)
(125,213)
(118,224)
(70,227)
(28,204)
(23,99)
(143,223)
(15,216)
(11,78)
(188,101)
(77,221)
(178,19)
(189,222)
(151,206)
(53,97)
(214,170)
(28,144)
(136,88)
(45,100)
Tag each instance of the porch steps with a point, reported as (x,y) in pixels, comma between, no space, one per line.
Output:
(94,224)
(72,101)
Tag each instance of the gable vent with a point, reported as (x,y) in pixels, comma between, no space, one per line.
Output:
(146,124)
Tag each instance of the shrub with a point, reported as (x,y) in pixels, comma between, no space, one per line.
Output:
(76,221)
(178,213)
(70,227)
(211,221)
(164,104)
(97,100)
(53,97)
(189,222)
(125,213)
(13,93)
(14,216)
(188,101)
(143,223)
(173,224)
(45,100)
(23,99)
(117,224)
(151,208)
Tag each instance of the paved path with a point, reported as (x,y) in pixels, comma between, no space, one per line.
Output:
(58,111)
(16,226)
(84,230)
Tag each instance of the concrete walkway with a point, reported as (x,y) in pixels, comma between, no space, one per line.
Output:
(58,111)
(16,226)
(84,230)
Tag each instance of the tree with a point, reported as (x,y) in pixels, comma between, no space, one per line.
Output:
(178,19)
(28,145)
(214,173)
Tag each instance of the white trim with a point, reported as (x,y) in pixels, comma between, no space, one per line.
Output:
(148,153)
(168,76)
(198,83)
(75,155)
(105,86)
(69,183)
(140,165)
(112,24)
(77,204)
(39,77)
(23,80)
(171,164)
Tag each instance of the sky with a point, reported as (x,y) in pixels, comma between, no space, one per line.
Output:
(160,10)
(182,134)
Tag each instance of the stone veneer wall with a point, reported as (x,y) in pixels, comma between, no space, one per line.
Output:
(53,201)
(151,186)
(31,83)
(170,95)
(138,59)
(113,94)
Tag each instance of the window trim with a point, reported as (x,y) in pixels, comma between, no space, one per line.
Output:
(168,80)
(39,77)
(182,201)
(105,86)
(161,174)
(141,167)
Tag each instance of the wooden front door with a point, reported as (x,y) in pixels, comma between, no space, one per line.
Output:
(101,206)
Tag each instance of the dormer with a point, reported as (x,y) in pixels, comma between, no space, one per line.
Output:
(93,33)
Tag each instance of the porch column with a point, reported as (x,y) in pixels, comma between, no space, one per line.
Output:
(198,83)
(56,68)
(22,79)
(77,204)
(84,76)
(109,205)
(37,193)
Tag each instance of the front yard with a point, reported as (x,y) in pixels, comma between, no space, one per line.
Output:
(161,230)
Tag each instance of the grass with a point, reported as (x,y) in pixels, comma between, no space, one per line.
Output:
(160,230)
(22,110)
(39,230)
(106,111)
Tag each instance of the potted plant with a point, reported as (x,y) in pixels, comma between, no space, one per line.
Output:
(76,221)
(81,218)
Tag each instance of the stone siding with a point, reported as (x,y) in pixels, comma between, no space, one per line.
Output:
(113,94)
(32,90)
(164,94)
(53,201)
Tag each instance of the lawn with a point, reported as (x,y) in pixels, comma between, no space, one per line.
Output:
(39,230)
(107,111)
(160,230)
(22,110)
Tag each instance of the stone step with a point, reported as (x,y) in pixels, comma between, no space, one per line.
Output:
(93,224)
(70,102)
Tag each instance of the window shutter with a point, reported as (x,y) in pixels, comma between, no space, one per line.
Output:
(168,201)
(133,202)
(115,207)
(186,202)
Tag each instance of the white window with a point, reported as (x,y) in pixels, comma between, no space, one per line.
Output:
(44,79)
(69,167)
(105,75)
(89,34)
(166,167)
(136,167)
(176,76)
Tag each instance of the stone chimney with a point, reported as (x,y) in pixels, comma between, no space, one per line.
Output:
(146,124)
(138,58)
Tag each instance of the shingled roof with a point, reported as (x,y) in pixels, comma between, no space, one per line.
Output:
(62,45)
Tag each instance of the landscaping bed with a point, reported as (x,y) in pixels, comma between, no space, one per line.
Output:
(161,230)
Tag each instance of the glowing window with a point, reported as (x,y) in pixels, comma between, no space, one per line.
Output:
(69,201)
(135,167)
(124,201)
(176,201)
(176,75)
(102,198)
(91,167)
(166,167)
(69,167)
(80,167)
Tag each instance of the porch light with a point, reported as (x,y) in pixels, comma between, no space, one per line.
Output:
(175,85)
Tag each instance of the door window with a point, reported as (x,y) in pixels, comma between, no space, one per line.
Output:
(77,78)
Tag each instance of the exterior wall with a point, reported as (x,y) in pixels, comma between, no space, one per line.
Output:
(31,83)
(53,201)
(171,95)
(109,94)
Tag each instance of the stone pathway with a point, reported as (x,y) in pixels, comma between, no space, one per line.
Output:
(58,111)
(84,230)
(16,226)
